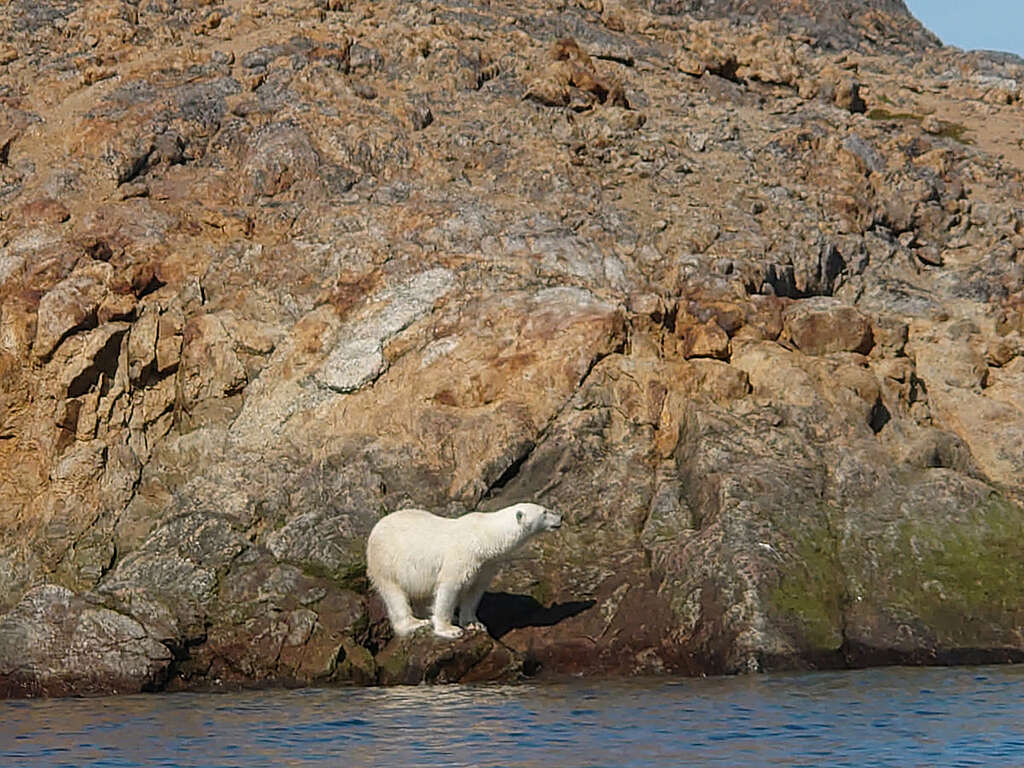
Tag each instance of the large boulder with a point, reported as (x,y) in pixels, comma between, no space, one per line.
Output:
(55,643)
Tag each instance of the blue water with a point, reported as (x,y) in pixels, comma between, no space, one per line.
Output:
(884,717)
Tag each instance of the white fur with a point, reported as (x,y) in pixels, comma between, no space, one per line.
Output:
(413,556)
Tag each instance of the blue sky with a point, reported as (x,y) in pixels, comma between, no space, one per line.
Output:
(994,24)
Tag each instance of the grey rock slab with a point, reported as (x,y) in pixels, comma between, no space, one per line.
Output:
(54,642)
(358,357)
(170,580)
(353,364)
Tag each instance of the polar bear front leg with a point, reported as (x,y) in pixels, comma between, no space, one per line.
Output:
(471,597)
(444,609)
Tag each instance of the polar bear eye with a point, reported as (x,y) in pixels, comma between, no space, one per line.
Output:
(520,515)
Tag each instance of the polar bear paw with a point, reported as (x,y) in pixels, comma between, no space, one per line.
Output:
(410,626)
(450,631)
(474,626)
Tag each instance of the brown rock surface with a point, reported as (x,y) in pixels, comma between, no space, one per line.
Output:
(738,287)
(820,326)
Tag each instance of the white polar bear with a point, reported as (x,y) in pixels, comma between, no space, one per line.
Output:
(412,556)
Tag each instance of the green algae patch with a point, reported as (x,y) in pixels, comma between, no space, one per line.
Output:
(955,131)
(965,580)
(947,130)
(811,595)
(424,658)
(355,664)
(883,114)
(350,575)
(354,577)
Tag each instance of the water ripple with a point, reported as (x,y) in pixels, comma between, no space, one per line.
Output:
(904,717)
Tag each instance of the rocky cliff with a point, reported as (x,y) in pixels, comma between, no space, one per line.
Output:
(737,289)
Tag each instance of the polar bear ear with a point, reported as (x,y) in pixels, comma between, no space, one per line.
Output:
(520,514)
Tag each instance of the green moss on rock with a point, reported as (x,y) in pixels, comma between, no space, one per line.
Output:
(810,595)
(354,578)
(355,664)
(965,581)
(948,130)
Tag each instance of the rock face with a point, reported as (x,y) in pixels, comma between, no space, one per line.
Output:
(743,299)
(836,25)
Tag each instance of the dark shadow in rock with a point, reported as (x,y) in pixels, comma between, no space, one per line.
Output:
(501,612)
(879,417)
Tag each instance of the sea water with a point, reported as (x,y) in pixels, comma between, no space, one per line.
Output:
(881,717)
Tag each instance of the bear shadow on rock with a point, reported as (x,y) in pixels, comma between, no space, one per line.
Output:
(501,612)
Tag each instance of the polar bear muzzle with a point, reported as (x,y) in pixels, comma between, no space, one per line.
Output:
(537,519)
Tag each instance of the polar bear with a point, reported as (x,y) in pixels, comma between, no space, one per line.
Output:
(413,556)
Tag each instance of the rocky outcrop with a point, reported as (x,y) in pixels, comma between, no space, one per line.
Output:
(744,302)
(841,24)
(56,643)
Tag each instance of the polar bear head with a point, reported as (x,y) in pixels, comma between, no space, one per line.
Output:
(533,518)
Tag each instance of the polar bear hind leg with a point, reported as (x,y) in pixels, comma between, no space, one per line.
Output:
(397,604)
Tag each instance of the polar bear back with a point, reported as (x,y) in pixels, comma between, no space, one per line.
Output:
(410,546)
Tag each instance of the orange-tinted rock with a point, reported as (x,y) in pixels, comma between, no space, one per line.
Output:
(73,303)
(45,211)
(703,340)
(821,327)
(116,306)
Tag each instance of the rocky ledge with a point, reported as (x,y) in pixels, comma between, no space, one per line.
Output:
(739,291)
